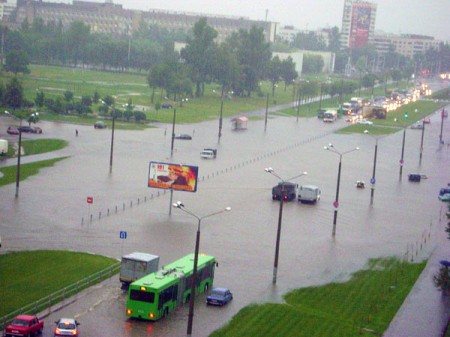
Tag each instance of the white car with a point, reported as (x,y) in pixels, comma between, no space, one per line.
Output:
(364,121)
(417,125)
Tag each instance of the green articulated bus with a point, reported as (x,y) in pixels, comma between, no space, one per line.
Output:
(157,294)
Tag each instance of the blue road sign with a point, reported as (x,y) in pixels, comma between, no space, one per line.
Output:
(373,181)
(123,235)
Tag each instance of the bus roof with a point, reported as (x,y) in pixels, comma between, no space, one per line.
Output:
(171,272)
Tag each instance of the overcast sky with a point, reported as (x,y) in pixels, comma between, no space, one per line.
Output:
(426,17)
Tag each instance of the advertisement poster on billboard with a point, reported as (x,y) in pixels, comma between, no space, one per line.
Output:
(173,176)
(360,25)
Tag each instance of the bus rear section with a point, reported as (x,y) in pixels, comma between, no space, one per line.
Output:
(156,295)
(330,116)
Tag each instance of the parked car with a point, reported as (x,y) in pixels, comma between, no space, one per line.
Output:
(208,153)
(183,136)
(100,125)
(12,130)
(364,121)
(37,129)
(444,197)
(417,125)
(286,189)
(66,327)
(219,296)
(26,129)
(427,120)
(166,106)
(24,325)
(414,177)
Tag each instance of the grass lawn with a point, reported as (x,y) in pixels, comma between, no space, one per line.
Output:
(31,275)
(363,306)
(26,170)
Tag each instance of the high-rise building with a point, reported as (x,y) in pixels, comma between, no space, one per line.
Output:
(358,23)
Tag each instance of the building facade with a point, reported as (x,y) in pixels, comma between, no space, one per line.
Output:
(358,23)
(114,19)
(406,45)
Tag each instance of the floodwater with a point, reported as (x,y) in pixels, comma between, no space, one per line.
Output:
(405,219)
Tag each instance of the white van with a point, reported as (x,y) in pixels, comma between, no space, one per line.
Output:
(3,147)
(309,194)
(208,153)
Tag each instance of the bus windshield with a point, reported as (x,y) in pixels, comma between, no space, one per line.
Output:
(142,296)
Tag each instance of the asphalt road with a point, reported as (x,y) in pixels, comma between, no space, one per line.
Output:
(51,211)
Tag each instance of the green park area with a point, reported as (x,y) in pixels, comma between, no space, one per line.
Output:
(363,305)
(28,276)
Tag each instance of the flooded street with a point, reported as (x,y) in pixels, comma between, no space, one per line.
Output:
(405,219)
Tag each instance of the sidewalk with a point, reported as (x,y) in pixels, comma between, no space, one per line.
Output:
(426,311)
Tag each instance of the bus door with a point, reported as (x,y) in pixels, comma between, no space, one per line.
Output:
(181,288)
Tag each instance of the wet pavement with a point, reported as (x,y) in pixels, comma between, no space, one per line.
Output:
(51,211)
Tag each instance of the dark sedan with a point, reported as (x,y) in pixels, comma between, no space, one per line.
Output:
(183,136)
(219,296)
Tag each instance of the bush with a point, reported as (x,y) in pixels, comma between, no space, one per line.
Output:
(442,279)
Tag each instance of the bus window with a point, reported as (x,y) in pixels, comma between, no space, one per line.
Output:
(142,296)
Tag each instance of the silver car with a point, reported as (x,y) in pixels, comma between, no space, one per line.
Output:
(66,327)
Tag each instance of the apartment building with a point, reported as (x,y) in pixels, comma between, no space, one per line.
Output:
(114,19)
(406,45)
(358,23)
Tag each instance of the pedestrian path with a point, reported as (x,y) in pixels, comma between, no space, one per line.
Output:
(426,311)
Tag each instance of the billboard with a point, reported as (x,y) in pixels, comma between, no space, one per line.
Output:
(360,27)
(172,176)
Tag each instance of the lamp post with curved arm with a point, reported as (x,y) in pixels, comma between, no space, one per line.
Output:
(331,148)
(372,180)
(280,216)
(180,206)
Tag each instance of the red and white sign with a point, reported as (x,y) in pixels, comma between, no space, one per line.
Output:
(90,200)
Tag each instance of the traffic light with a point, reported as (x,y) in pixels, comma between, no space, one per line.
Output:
(406,115)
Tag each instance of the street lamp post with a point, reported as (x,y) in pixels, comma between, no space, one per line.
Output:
(421,141)
(112,139)
(31,119)
(331,148)
(280,216)
(173,131)
(18,161)
(372,181)
(403,152)
(180,206)
(220,118)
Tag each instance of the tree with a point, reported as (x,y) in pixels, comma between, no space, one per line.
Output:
(199,52)
(40,99)
(312,64)
(226,67)
(288,72)
(309,41)
(14,94)
(17,62)
(274,73)
(68,96)
(254,55)
(334,39)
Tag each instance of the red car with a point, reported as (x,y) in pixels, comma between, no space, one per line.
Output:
(24,325)
(12,130)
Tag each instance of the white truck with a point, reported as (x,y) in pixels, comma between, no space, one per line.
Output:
(3,147)
(136,265)
(309,194)
(330,116)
